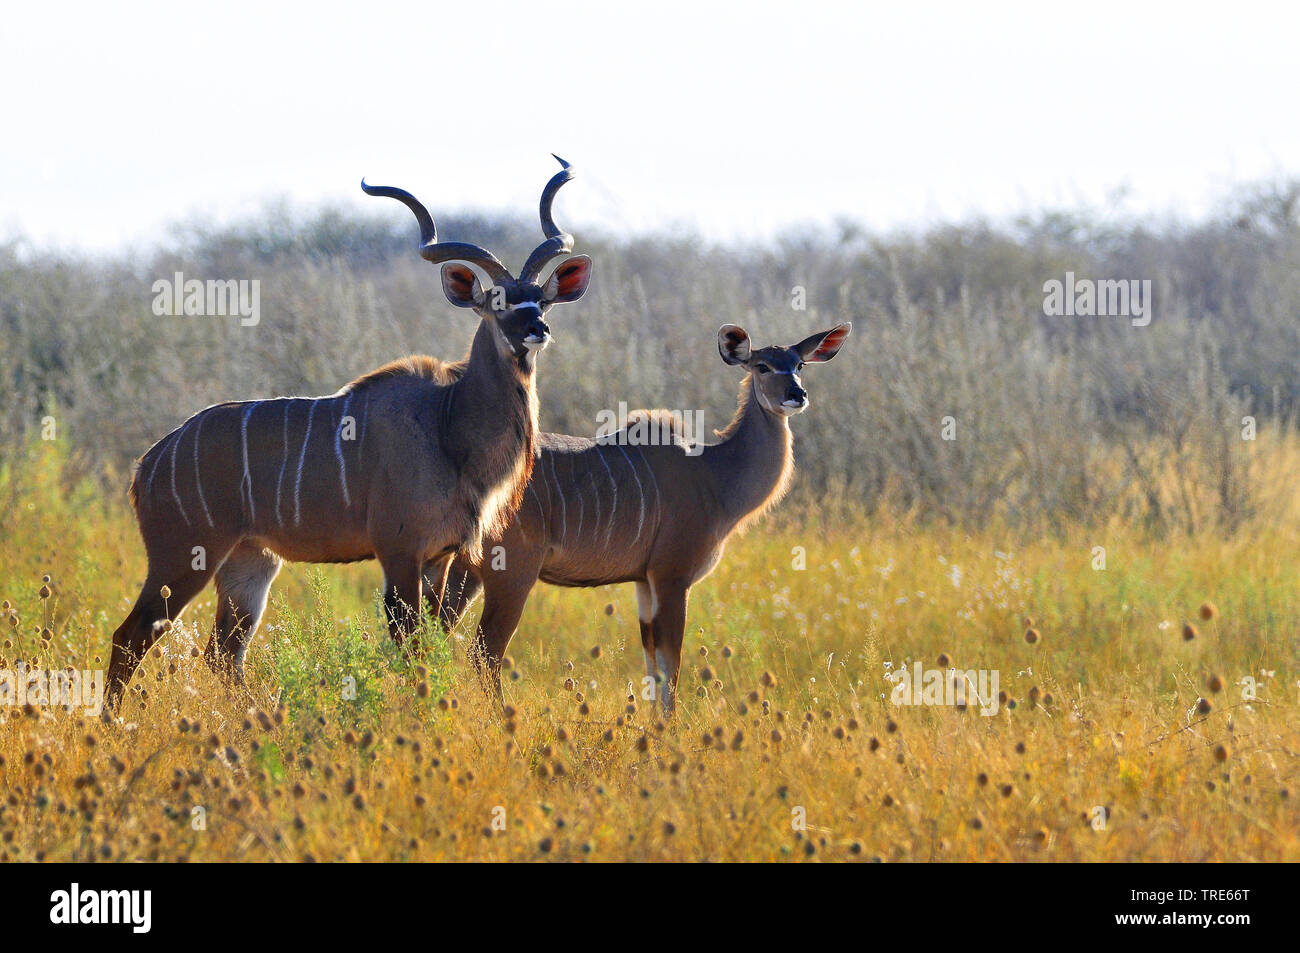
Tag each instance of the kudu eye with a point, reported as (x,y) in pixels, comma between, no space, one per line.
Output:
(763,368)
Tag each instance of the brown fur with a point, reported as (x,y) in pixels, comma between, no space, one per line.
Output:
(692,506)
(782,485)
(414,365)
(439,454)
(660,517)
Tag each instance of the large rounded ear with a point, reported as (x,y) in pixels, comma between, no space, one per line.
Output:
(820,348)
(461,285)
(733,344)
(569,281)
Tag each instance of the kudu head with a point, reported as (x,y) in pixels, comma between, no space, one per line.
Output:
(472,277)
(775,370)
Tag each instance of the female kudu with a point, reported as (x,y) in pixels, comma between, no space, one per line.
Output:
(600,512)
(408,464)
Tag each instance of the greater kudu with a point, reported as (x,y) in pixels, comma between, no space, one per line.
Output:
(407,464)
(601,511)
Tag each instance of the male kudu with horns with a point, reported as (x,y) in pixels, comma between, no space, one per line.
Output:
(408,464)
(603,511)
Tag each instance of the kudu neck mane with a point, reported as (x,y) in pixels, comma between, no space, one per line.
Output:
(488,424)
(753,460)
(499,434)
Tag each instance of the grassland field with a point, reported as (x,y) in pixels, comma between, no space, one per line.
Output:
(1150,715)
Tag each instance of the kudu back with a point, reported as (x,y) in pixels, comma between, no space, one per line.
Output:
(408,464)
(597,512)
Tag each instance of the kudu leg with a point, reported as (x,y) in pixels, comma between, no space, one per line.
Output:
(140,630)
(402,592)
(434,577)
(243,582)
(667,631)
(505,593)
(645,613)
(458,594)
(495,630)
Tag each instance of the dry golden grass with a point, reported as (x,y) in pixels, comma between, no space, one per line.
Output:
(785,712)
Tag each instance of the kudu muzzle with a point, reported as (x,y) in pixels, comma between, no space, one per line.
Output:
(538,333)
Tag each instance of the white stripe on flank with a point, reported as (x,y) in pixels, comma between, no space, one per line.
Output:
(243,443)
(613,510)
(284,461)
(640,520)
(176,444)
(546,513)
(541,511)
(297,486)
(361,435)
(595,493)
(564,515)
(160,445)
(338,450)
(651,470)
(577,485)
(198,483)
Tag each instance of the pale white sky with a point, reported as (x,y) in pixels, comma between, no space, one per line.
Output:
(735,120)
